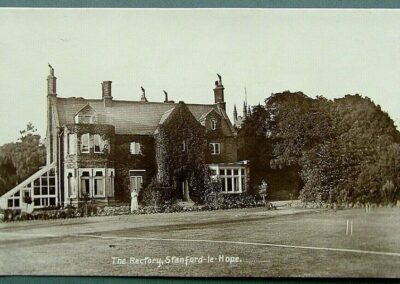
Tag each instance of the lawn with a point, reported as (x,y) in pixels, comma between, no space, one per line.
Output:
(244,242)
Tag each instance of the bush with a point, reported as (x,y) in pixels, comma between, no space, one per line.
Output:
(211,191)
(156,194)
(9,214)
(389,192)
(230,201)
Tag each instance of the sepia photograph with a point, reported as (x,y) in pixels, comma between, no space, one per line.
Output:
(200,142)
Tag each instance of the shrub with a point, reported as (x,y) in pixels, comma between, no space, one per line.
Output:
(389,192)
(211,191)
(156,194)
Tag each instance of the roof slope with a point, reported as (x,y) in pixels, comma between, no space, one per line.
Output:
(128,117)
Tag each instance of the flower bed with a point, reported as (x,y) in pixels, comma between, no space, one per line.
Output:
(220,203)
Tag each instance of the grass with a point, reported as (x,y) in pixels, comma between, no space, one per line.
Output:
(73,252)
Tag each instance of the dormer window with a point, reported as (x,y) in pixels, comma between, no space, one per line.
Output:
(86,119)
(213,124)
(86,115)
(135,148)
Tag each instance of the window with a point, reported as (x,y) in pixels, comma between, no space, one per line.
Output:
(71,189)
(85,183)
(215,148)
(85,119)
(98,147)
(233,180)
(42,187)
(98,184)
(71,142)
(213,124)
(111,188)
(135,148)
(183,146)
(85,143)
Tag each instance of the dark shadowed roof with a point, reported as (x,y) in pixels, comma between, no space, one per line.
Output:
(128,117)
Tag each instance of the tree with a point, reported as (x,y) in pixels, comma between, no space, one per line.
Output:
(254,146)
(345,150)
(21,159)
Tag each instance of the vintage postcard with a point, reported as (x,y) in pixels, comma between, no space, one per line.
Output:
(200,142)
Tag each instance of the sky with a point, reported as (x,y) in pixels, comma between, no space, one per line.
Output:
(319,52)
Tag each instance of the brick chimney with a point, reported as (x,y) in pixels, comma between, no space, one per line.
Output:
(219,93)
(106,93)
(51,82)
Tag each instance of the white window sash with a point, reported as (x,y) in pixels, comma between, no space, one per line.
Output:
(85,143)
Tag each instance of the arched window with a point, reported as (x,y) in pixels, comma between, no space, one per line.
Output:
(213,124)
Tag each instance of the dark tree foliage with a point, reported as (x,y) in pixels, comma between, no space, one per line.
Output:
(21,159)
(345,150)
(254,147)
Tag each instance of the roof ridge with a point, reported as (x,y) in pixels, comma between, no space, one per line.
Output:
(138,102)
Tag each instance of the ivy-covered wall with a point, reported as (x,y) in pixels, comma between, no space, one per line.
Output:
(180,151)
(91,159)
(125,161)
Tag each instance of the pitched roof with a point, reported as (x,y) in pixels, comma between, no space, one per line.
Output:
(128,117)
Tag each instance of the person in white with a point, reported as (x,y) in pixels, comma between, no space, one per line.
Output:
(134,201)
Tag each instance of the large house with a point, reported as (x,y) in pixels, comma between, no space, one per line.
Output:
(100,149)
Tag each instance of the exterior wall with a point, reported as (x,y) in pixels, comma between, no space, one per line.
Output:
(228,153)
(125,162)
(180,152)
(74,161)
(223,135)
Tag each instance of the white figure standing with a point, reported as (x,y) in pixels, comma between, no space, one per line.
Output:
(134,201)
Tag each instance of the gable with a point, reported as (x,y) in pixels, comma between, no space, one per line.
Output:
(180,116)
(86,115)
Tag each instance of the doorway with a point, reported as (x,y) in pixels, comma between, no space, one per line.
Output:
(183,187)
(136,180)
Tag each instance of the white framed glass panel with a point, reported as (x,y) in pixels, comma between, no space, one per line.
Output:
(85,141)
(135,148)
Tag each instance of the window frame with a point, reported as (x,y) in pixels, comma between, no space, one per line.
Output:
(71,144)
(232,177)
(98,136)
(213,123)
(88,143)
(83,117)
(102,179)
(139,149)
(214,149)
